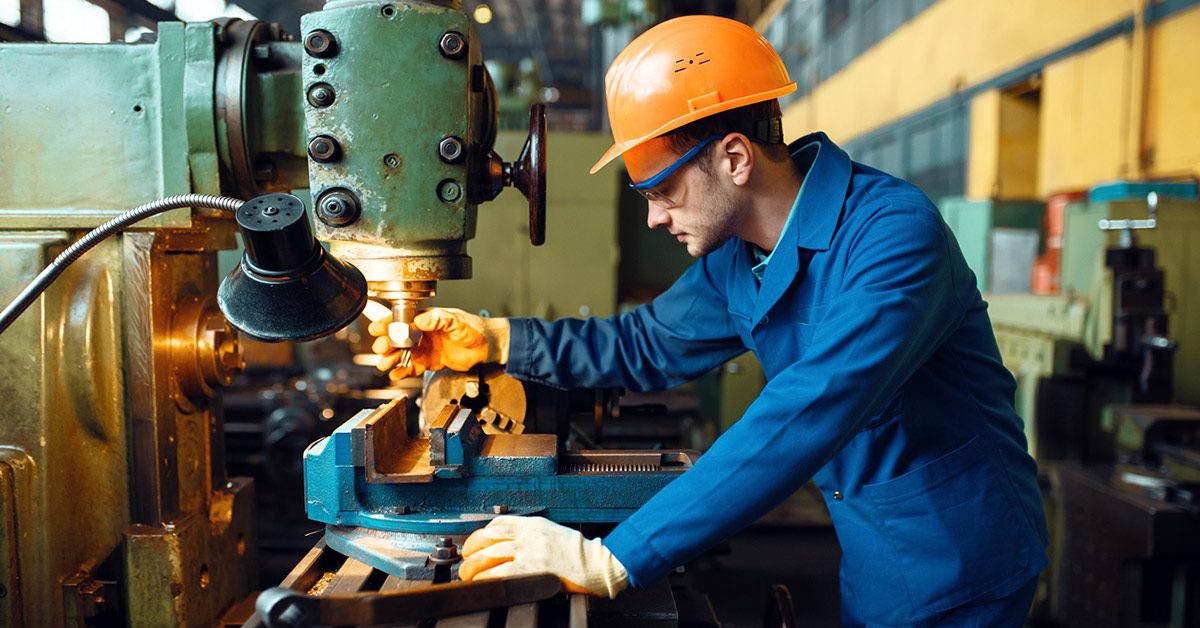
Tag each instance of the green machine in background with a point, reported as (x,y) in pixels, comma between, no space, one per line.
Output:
(984,226)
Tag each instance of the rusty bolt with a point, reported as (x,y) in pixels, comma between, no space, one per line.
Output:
(321,95)
(453,45)
(324,149)
(320,43)
(337,207)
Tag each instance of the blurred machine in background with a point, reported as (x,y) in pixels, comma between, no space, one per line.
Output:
(1105,368)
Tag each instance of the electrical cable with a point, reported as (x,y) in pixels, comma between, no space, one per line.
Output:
(93,237)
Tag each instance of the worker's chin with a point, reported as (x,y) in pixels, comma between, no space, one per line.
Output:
(699,247)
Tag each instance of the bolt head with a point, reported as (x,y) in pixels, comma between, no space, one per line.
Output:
(321,95)
(324,149)
(337,207)
(453,45)
(449,190)
(320,43)
(500,509)
(450,149)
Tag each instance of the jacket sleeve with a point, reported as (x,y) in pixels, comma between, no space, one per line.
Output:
(898,304)
(683,333)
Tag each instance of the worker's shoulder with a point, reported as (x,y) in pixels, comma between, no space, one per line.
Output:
(876,198)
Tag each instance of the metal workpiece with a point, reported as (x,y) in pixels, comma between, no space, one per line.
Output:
(498,397)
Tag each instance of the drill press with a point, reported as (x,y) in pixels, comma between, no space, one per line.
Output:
(401,113)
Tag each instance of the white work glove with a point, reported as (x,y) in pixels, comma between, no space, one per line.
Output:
(519,546)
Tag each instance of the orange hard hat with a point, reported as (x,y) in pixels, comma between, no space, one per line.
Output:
(685,69)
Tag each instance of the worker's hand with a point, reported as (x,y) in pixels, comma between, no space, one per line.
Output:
(518,546)
(453,339)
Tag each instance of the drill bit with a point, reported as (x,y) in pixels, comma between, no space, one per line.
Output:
(401,332)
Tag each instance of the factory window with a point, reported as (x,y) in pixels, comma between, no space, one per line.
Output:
(75,21)
(837,13)
(203,10)
(929,151)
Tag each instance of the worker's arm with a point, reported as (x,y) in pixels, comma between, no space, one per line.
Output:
(898,305)
(681,334)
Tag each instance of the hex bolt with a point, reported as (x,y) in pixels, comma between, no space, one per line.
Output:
(500,509)
(391,160)
(441,558)
(445,550)
(453,45)
(323,149)
(321,95)
(320,43)
(338,207)
(449,190)
(450,149)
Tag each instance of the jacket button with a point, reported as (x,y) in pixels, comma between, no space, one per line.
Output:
(837,495)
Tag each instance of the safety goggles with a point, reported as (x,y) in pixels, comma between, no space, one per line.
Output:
(654,190)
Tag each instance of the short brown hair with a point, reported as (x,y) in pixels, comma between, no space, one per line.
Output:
(746,120)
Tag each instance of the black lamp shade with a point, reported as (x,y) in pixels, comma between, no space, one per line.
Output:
(287,287)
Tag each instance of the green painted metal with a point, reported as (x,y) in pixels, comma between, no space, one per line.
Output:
(83,135)
(396,95)
(972,222)
(575,272)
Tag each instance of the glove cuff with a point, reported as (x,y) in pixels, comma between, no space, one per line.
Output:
(610,577)
(496,331)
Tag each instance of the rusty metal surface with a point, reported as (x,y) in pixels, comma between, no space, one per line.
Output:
(352,593)
(391,455)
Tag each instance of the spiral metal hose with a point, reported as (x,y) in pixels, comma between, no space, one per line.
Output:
(93,237)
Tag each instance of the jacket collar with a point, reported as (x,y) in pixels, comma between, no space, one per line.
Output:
(817,214)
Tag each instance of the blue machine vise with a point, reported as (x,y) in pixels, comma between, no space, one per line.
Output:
(387,493)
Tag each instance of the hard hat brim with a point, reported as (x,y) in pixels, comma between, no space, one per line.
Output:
(617,149)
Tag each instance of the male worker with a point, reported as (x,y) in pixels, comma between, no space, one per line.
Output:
(884,381)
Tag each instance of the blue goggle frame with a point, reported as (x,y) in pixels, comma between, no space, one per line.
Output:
(669,170)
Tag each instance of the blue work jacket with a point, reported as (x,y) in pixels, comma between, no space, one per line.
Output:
(884,385)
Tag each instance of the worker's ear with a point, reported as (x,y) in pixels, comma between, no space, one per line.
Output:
(736,158)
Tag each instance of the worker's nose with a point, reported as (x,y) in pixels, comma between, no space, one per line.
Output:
(656,216)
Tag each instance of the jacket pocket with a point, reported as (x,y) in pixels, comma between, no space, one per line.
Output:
(957,531)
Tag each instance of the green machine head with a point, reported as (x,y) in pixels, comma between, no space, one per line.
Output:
(401,122)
